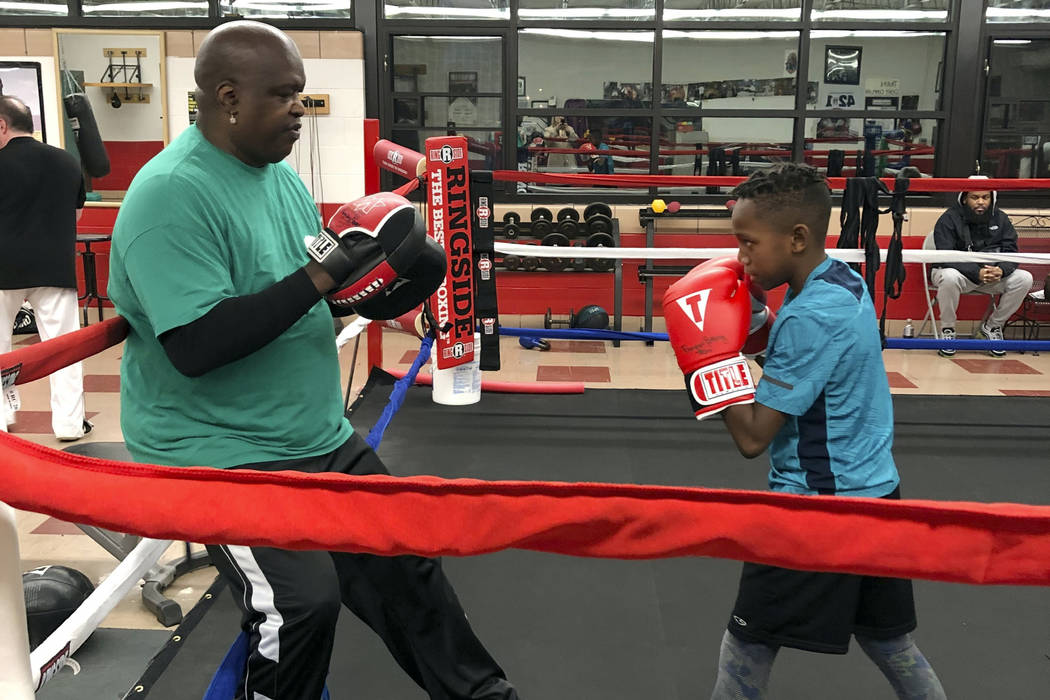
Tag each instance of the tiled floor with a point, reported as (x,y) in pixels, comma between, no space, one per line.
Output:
(598,364)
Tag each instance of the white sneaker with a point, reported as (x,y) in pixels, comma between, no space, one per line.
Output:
(88,425)
(989,333)
(947,334)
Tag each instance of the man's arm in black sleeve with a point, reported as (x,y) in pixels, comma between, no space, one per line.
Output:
(238,326)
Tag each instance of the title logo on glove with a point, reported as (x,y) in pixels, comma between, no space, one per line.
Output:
(722,381)
(695,306)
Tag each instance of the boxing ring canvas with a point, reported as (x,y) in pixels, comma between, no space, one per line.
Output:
(575,628)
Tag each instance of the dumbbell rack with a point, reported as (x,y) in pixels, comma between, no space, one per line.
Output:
(596,227)
(647,217)
(616,264)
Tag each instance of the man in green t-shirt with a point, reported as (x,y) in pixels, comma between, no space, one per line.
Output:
(231,362)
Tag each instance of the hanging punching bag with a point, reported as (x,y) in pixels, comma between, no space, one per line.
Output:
(92,151)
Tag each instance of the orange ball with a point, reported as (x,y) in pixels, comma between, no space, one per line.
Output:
(730,204)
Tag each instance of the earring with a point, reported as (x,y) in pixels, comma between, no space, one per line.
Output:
(233,118)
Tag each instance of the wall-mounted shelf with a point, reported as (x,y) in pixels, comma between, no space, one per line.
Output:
(116,85)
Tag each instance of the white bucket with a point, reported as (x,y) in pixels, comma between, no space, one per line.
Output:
(460,385)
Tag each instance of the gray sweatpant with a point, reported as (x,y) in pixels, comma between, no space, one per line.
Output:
(951,283)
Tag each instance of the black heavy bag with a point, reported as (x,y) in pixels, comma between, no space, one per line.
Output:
(52,593)
(92,151)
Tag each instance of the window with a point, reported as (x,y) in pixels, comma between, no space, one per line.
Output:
(730,69)
(852,147)
(882,11)
(574,68)
(587,10)
(449,84)
(1016,139)
(857,70)
(1016,11)
(33,7)
(423,10)
(733,10)
(289,9)
(145,8)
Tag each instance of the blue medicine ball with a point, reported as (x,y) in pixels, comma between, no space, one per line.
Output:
(592,316)
(52,593)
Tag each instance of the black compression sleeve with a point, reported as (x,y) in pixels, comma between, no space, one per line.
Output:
(238,326)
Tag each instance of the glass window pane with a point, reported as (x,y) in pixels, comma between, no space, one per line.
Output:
(145,8)
(730,10)
(1017,115)
(722,146)
(1014,11)
(569,144)
(457,65)
(882,11)
(730,70)
(483,145)
(879,70)
(576,68)
(462,111)
(587,9)
(33,7)
(427,9)
(290,9)
(866,147)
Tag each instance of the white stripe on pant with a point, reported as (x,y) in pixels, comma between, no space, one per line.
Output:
(57,313)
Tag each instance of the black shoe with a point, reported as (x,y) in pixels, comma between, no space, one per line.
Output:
(947,334)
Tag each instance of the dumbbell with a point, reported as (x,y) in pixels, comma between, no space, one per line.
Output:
(568,222)
(542,222)
(555,239)
(579,264)
(550,322)
(511,224)
(600,240)
(511,262)
(530,263)
(598,218)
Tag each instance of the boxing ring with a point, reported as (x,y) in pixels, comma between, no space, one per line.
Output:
(652,507)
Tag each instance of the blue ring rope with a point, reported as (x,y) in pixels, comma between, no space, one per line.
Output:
(891,343)
(397,396)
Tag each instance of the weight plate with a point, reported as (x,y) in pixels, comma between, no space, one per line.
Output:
(596,240)
(541,227)
(542,213)
(599,223)
(568,227)
(547,318)
(568,213)
(601,264)
(555,239)
(597,208)
(512,217)
(511,230)
(511,262)
(530,263)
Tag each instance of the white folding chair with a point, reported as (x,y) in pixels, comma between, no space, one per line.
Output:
(931,293)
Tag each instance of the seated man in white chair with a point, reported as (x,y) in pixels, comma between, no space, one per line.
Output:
(975,224)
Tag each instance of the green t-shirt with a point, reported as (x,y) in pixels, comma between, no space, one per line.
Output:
(198,226)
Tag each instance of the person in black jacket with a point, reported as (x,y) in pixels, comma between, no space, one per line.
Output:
(976,224)
(41,196)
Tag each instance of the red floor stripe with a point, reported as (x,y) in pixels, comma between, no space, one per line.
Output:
(1025,392)
(899,381)
(102,383)
(992,366)
(54,526)
(560,373)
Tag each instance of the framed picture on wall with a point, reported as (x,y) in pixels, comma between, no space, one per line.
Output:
(521,86)
(22,79)
(842,65)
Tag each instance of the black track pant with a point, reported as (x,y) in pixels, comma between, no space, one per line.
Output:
(290,603)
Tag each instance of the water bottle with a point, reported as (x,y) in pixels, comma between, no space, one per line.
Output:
(909,330)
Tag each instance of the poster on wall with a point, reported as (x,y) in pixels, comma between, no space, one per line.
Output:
(882,93)
(22,79)
(842,65)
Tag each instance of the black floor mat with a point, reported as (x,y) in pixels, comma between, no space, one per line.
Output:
(579,629)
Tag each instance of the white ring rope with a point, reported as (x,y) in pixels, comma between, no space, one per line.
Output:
(846,255)
(16,680)
(48,658)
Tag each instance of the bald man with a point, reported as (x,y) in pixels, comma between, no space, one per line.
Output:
(42,193)
(231,362)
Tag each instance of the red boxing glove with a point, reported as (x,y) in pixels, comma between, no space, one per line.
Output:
(762,317)
(708,314)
